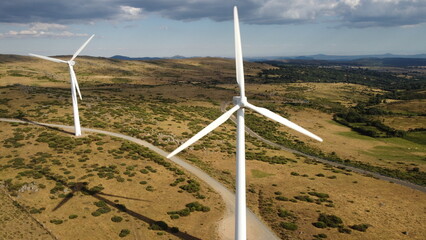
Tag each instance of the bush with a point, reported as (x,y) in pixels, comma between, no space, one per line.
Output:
(73,216)
(344,230)
(100,204)
(124,232)
(281,198)
(304,198)
(56,221)
(319,224)
(284,213)
(322,235)
(320,195)
(159,225)
(288,225)
(116,219)
(96,213)
(360,227)
(330,220)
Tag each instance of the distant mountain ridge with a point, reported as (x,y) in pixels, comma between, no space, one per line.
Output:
(338,57)
(302,57)
(384,60)
(120,57)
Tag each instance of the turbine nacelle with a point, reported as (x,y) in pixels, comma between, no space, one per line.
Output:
(240,101)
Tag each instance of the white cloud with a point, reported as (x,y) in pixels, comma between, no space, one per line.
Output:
(130,13)
(41,30)
(38,26)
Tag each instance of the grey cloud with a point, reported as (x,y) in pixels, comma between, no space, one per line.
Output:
(383,13)
(351,13)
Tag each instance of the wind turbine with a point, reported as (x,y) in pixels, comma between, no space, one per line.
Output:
(74,84)
(240,105)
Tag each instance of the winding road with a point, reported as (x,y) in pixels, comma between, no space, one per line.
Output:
(334,164)
(256,229)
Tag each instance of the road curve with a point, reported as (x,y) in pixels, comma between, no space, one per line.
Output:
(335,164)
(256,229)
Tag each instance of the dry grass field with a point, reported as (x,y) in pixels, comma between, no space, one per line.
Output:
(167,101)
(76,186)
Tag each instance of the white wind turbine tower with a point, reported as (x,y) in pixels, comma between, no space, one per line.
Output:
(74,83)
(240,104)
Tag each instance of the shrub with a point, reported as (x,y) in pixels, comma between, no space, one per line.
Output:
(288,225)
(281,198)
(116,219)
(319,224)
(319,236)
(56,221)
(304,198)
(159,225)
(330,220)
(344,230)
(73,216)
(320,195)
(100,204)
(96,213)
(34,211)
(360,227)
(124,232)
(284,213)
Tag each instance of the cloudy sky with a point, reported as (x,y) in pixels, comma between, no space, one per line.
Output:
(161,28)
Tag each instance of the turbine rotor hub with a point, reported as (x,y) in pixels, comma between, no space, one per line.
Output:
(240,101)
(71,63)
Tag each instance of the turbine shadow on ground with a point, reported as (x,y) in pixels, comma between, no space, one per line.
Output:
(81,187)
(46,126)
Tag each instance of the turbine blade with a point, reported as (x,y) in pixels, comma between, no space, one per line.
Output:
(238,52)
(81,48)
(48,58)
(205,131)
(74,79)
(267,113)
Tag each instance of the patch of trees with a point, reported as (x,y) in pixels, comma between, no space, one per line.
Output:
(363,76)
(190,207)
(366,126)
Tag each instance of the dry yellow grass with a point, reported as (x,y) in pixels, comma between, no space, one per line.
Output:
(142,204)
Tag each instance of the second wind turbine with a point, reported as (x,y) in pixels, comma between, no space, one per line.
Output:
(240,104)
(74,84)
